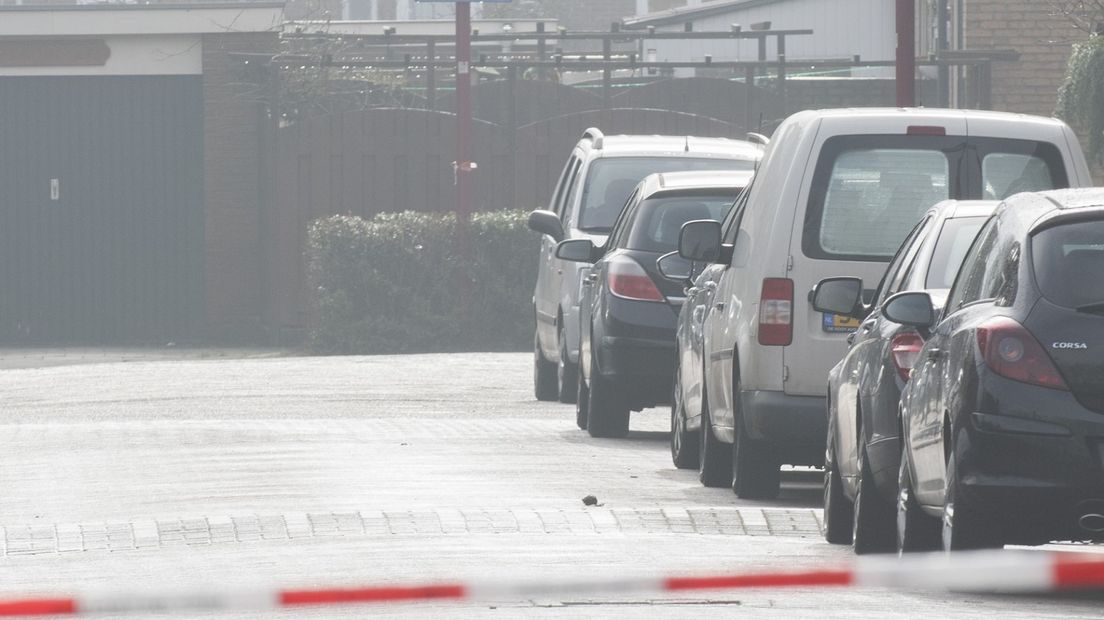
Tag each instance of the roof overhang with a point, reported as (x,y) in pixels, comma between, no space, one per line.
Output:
(146,20)
(689,14)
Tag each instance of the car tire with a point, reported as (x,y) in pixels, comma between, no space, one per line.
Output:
(607,410)
(684,445)
(582,404)
(873,518)
(714,456)
(567,374)
(755,468)
(545,382)
(838,519)
(916,531)
(964,526)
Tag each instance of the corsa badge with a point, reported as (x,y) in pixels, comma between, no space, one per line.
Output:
(1069,345)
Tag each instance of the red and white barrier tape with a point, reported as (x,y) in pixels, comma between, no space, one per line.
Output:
(1000,571)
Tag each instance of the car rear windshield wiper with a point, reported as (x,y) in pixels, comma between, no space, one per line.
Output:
(1097,308)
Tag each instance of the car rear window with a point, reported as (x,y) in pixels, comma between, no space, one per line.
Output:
(658,221)
(610,181)
(1068,260)
(955,239)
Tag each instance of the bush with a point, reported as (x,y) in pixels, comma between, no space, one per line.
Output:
(1081,98)
(397,283)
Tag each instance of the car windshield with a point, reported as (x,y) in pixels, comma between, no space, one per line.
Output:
(954,241)
(1068,260)
(658,221)
(611,180)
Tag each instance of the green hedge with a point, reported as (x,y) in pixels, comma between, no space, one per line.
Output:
(397,283)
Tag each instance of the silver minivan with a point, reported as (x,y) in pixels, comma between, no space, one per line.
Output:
(597,180)
(836,193)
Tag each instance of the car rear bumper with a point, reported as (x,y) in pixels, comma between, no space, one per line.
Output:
(641,368)
(1036,463)
(796,425)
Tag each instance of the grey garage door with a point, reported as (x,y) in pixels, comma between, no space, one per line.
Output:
(101,209)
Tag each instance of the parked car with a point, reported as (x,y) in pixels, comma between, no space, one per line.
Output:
(1003,417)
(593,187)
(864,389)
(628,310)
(836,193)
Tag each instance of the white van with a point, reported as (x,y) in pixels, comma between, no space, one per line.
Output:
(836,193)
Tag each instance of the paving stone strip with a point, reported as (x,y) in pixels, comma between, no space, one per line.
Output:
(20,540)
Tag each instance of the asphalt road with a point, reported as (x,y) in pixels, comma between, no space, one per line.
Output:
(194,471)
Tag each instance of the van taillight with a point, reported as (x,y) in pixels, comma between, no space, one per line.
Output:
(905,348)
(1012,352)
(776,312)
(926,130)
(628,280)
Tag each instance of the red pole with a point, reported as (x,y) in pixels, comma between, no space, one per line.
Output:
(463,113)
(906,53)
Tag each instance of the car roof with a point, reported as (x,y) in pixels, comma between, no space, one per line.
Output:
(675,182)
(951,209)
(687,146)
(1033,211)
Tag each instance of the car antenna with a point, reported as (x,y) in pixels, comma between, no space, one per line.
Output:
(687,149)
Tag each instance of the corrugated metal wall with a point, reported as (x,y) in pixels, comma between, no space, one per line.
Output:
(116,255)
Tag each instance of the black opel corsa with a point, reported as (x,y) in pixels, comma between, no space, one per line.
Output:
(1003,416)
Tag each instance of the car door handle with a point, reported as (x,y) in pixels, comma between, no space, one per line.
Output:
(851,338)
(936,354)
(590,279)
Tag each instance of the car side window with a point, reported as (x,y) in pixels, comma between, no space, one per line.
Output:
(891,272)
(910,257)
(618,236)
(968,285)
(570,189)
(556,204)
(1003,274)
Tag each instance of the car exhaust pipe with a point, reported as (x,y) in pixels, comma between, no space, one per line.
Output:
(1092,516)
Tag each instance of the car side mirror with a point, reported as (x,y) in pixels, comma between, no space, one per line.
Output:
(576,250)
(548,223)
(700,240)
(911,308)
(675,268)
(838,296)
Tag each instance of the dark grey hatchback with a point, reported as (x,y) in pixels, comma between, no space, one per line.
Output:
(1003,417)
(627,309)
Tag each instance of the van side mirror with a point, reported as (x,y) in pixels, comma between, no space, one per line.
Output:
(911,308)
(700,240)
(838,296)
(548,223)
(576,251)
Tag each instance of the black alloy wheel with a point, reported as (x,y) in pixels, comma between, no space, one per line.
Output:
(684,445)
(874,518)
(582,404)
(916,531)
(964,525)
(567,374)
(838,523)
(607,410)
(714,456)
(545,382)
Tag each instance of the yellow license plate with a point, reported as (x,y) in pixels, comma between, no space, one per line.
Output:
(839,324)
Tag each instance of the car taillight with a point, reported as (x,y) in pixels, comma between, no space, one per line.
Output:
(776,312)
(905,349)
(1012,352)
(628,280)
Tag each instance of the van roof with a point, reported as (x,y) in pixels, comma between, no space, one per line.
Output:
(979,122)
(949,209)
(689,146)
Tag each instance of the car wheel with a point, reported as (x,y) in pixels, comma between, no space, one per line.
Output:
(837,509)
(714,456)
(567,374)
(684,446)
(607,411)
(963,525)
(874,519)
(582,404)
(916,531)
(545,382)
(755,469)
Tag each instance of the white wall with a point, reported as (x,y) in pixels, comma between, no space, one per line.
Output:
(135,55)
